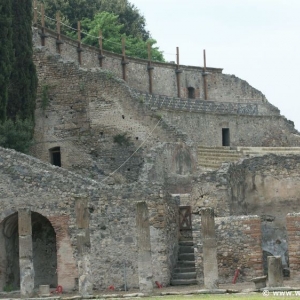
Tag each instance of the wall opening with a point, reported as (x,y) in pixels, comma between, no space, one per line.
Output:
(191,93)
(44,251)
(225,137)
(9,254)
(55,156)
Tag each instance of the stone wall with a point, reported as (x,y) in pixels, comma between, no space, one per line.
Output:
(220,87)
(88,217)
(94,119)
(238,245)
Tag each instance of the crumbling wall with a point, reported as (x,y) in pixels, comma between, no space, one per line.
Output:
(93,118)
(238,245)
(88,217)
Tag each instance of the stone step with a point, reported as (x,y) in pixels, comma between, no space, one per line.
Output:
(190,275)
(186,243)
(217,159)
(184,282)
(184,269)
(185,264)
(215,147)
(226,154)
(186,257)
(186,249)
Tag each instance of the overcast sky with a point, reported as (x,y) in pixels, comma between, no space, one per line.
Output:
(256,40)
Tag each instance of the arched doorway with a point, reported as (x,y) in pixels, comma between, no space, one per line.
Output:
(43,251)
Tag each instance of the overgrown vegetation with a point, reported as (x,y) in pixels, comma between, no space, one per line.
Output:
(122,139)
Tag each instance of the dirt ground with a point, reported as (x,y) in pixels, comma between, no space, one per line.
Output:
(238,287)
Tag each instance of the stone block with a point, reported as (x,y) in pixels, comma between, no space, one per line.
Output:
(24,222)
(82,213)
(25,246)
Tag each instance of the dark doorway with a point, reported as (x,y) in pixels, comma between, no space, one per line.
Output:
(9,254)
(55,156)
(44,251)
(191,93)
(225,137)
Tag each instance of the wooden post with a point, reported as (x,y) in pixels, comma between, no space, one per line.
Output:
(150,68)
(124,62)
(58,38)
(79,49)
(100,56)
(204,76)
(43,35)
(34,13)
(178,71)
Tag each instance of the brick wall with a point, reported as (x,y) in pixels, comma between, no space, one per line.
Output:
(293,233)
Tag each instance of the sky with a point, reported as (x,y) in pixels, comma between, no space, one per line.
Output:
(256,40)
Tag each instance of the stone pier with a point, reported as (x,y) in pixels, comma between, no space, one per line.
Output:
(25,253)
(85,281)
(210,264)
(275,275)
(144,248)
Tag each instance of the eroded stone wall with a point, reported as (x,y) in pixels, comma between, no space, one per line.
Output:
(90,220)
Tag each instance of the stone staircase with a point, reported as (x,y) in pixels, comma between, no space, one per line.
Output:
(185,272)
(213,157)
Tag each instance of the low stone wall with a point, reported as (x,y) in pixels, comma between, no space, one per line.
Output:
(238,245)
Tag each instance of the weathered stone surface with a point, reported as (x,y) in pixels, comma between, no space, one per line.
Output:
(144,248)
(24,222)
(210,264)
(26,277)
(85,285)
(275,276)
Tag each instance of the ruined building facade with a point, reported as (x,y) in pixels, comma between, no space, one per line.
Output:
(74,212)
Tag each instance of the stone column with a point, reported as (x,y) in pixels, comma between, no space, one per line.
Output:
(210,264)
(84,247)
(144,248)
(275,276)
(25,253)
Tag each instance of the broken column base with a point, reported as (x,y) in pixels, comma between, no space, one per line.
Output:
(260,282)
(44,290)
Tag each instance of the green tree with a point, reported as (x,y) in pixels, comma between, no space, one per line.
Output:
(112,35)
(23,79)
(16,134)
(6,54)
(73,11)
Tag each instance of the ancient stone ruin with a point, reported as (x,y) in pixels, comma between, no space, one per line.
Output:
(121,183)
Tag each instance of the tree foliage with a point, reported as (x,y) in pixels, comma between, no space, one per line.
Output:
(18,80)
(16,134)
(112,35)
(115,18)
(23,78)
(6,54)
(73,11)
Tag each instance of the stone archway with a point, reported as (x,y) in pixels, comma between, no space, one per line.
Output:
(43,251)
